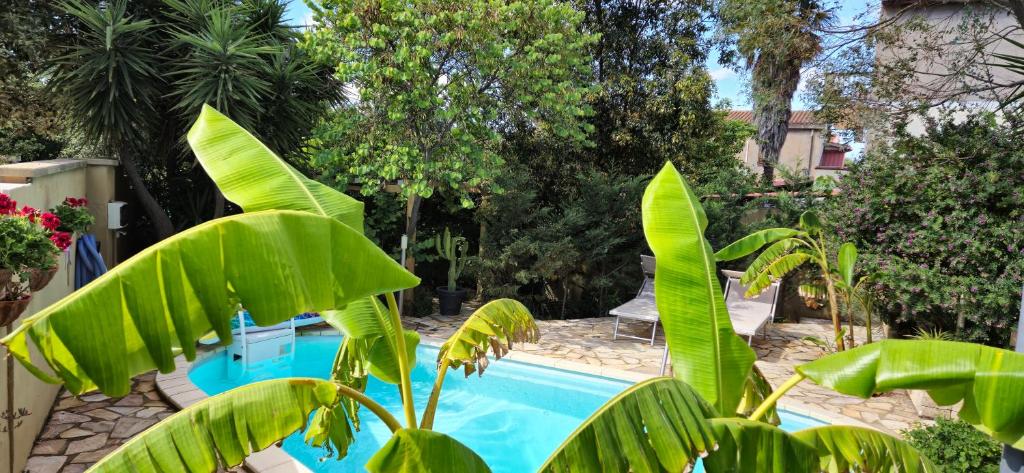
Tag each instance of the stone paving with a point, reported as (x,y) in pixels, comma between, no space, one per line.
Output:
(81,430)
(590,341)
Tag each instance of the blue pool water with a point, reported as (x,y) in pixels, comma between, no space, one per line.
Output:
(514,416)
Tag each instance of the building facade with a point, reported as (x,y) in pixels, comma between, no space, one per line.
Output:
(808,149)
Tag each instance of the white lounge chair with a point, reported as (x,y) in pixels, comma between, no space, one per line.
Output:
(748,315)
(642,307)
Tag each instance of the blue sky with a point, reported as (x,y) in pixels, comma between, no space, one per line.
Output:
(730,84)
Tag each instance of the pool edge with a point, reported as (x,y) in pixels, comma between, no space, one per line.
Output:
(179,389)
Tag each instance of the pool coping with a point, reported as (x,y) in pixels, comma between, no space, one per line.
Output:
(179,390)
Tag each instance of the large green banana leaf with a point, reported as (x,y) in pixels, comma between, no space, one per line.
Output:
(755,391)
(842,448)
(753,242)
(425,451)
(495,326)
(145,311)
(368,320)
(706,353)
(988,380)
(252,176)
(656,425)
(222,430)
(748,446)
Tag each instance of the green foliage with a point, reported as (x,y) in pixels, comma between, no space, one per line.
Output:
(956,446)
(434,78)
(23,245)
(74,216)
(452,249)
(706,352)
(573,252)
(425,451)
(31,33)
(938,217)
(172,57)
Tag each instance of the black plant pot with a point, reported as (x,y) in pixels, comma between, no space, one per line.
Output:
(450,302)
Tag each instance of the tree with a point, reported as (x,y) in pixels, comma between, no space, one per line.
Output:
(937,218)
(32,32)
(432,82)
(171,57)
(775,39)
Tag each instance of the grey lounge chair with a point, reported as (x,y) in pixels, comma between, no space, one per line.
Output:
(642,307)
(748,315)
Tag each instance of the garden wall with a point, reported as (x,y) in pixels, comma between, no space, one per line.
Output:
(42,185)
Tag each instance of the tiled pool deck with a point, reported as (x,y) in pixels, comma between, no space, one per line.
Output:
(82,430)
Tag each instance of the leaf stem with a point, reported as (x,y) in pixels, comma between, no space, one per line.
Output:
(775,395)
(372,405)
(428,414)
(403,362)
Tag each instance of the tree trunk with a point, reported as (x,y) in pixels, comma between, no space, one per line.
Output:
(156,213)
(768,176)
(834,309)
(412,217)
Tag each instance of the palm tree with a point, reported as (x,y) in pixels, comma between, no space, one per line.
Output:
(775,38)
(139,72)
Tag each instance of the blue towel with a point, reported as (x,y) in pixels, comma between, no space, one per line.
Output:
(88,262)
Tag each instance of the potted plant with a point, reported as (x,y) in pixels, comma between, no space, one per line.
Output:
(453,249)
(63,222)
(28,241)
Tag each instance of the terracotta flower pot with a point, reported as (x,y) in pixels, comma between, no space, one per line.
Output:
(10,310)
(39,278)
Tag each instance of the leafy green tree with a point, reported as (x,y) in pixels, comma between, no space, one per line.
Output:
(32,32)
(430,83)
(938,218)
(774,39)
(138,73)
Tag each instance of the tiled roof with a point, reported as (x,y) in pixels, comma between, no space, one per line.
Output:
(798,119)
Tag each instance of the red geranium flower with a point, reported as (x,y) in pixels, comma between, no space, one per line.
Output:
(73,202)
(7,205)
(61,239)
(29,212)
(49,221)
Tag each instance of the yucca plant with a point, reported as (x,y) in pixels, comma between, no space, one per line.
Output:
(787,250)
(138,73)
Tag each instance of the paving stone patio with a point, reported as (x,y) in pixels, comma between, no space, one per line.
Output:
(81,430)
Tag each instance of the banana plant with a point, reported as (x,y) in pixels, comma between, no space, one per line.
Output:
(666,424)
(787,250)
(317,260)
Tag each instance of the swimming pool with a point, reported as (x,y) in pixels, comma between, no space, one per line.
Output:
(514,405)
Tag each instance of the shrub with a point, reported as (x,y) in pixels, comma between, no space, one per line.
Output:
(956,447)
(940,217)
(575,253)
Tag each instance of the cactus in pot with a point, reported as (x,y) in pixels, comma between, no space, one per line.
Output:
(453,249)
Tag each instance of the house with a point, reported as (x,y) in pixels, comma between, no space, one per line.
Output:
(808,149)
(948,53)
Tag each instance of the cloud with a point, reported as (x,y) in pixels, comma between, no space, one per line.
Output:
(721,73)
